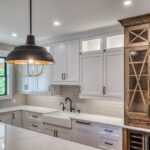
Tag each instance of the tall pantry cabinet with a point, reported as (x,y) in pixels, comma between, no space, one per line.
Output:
(137,71)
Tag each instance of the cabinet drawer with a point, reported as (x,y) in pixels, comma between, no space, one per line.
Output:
(36,117)
(110,131)
(49,127)
(35,126)
(109,144)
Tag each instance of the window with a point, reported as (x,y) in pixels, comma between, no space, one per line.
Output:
(3,77)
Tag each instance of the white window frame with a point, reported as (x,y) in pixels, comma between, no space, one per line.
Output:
(4,53)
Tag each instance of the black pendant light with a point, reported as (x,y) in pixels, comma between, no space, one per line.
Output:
(29,54)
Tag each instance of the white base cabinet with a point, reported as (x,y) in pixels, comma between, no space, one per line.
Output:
(32,121)
(56,131)
(97,135)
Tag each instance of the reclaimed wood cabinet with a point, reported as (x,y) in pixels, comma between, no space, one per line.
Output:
(137,71)
(137,140)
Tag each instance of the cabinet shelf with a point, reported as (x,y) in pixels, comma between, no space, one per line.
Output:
(137,62)
(132,90)
(144,75)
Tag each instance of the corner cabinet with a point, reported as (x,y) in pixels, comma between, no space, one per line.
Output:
(66,69)
(137,72)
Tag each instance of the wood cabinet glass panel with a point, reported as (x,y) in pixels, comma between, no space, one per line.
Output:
(138,80)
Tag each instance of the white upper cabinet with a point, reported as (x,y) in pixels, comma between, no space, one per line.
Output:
(36,85)
(92,74)
(91,44)
(59,68)
(114,73)
(102,72)
(73,61)
(66,69)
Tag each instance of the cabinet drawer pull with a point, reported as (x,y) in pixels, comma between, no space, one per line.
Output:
(85,123)
(110,131)
(35,116)
(108,143)
(34,126)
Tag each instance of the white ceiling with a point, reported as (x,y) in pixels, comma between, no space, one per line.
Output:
(74,15)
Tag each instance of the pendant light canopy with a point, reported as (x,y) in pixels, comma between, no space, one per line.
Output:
(30,53)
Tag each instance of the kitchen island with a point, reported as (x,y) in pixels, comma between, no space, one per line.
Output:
(14,138)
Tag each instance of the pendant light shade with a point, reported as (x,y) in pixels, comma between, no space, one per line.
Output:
(30,54)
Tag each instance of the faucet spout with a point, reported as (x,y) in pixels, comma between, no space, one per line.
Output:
(69,99)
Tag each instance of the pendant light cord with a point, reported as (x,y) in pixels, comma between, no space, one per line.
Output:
(30,17)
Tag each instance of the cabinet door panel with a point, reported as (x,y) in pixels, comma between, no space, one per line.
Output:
(84,133)
(64,135)
(44,79)
(114,73)
(16,118)
(59,54)
(73,61)
(92,74)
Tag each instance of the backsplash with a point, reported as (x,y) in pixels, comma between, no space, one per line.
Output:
(101,107)
(18,99)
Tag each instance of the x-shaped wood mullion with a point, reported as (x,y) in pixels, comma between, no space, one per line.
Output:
(138,36)
(138,79)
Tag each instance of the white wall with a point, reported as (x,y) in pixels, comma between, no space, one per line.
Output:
(102,107)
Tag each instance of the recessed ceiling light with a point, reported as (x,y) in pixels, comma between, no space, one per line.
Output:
(14,35)
(127,2)
(56,23)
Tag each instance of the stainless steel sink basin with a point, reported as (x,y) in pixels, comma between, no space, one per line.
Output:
(59,118)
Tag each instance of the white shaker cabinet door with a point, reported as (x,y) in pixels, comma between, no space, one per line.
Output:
(92,74)
(43,83)
(16,118)
(22,82)
(73,61)
(59,68)
(114,73)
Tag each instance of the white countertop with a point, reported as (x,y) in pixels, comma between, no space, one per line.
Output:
(100,119)
(81,116)
(36,109)
(14,138)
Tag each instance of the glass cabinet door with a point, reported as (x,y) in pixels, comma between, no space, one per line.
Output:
(138,80)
